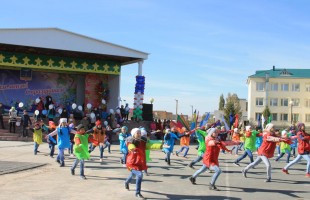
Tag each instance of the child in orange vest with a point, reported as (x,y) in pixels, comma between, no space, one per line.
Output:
(184,143)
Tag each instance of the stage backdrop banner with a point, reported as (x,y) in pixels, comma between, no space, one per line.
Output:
(61,87)
(96,89)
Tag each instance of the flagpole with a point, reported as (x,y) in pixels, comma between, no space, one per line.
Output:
(176,108)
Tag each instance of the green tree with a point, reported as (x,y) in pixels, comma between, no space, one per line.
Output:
(266,114)
(232,107)
(222,102)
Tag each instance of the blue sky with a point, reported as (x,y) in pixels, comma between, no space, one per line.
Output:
(198,49)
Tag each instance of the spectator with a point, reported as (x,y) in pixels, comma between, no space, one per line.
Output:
(12,119)
(1,115)
(25,121)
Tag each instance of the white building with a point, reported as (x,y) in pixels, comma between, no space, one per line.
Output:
(285,91)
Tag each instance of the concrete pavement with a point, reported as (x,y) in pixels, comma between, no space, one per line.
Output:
(45,180)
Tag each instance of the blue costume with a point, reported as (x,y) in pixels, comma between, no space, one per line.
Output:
(169,139)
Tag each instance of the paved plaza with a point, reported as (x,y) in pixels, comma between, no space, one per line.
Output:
(26,176)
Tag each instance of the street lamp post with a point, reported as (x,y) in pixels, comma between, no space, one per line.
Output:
(151,100)
(176,107)
(192,110)
(291,103)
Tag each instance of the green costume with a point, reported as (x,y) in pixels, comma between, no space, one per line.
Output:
(151,144)
(81,150)
(249,142)
(201,135)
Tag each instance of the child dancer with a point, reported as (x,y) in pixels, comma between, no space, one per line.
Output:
(169,140)
(184,142)
(265,152)
(303,149)
(37,136)
(136,162)
(284,147)
(80,150)
(200,134)
(236,138)
(294,141)
(210,158)
(52,140)
(122,143)
(98,137)
(63,139)
(249,145)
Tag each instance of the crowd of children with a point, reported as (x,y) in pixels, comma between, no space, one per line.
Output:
(135,145)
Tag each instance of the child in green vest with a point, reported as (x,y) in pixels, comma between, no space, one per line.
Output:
(80,149)
(285,147)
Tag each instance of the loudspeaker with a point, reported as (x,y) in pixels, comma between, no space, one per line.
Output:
(147,112)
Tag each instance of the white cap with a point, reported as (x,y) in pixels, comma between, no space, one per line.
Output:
(63,120)
(269,126)
(134,131)
(143,132)
(247,128)
(284,132)
(210,131)
(235,130)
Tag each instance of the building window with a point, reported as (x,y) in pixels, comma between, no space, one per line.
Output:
(284,117)
(295,87)
(273,86)
(260,86)
(295,117)
(284,87)
(274,102)
(259,101)
(307,103)
(307,117)
(296,102)
(284,102)
(274,116)
(308,87)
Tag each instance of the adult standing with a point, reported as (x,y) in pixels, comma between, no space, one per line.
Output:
(12,119)
(25,122)
(2,111)
(40,107)
(127,109)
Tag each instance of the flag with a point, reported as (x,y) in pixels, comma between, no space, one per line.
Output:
(236,121)
(263,122)
(259,125)
(231,119)
(194,116)
(184,122)
(177,125)
(269,119)
(226,125)
(205,120)
(216,124)
(193,126)
(194,121)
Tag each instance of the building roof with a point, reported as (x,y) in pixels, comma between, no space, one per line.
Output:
(47,40)
(282,73)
